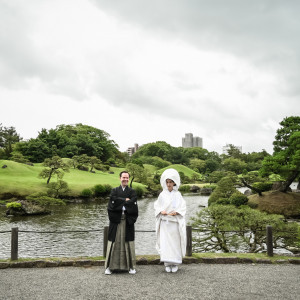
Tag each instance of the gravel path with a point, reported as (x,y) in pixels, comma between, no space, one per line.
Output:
(194,281)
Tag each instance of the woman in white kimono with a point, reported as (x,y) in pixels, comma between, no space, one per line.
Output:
(170,210)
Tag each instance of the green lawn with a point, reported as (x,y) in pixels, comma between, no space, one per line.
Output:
(21,179)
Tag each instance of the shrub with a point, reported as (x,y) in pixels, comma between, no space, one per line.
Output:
(86,193)
(82,168)
(43,200)
(139,191)
(222,201)
(14,205)
(101,190)
(262,186)
(184,188)
(238,199)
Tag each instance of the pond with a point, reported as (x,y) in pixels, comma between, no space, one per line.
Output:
(80,217)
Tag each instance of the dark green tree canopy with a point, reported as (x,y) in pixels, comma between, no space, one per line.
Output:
(69,140)
(8,137)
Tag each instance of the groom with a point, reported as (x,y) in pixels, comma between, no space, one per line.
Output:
(122,212)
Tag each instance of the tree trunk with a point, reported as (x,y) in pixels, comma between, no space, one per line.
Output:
(251,187)
(49,176)
(289,181)
(131,181)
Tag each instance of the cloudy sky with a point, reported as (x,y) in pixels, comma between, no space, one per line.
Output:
(146,71)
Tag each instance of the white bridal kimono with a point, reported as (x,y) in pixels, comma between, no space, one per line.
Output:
(170,230)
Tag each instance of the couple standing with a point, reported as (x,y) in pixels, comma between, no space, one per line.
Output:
(170,227)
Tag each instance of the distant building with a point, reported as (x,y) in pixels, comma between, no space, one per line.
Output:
(132,150)
(227,147)
(189,141)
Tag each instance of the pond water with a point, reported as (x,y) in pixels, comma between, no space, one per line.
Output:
(80,217)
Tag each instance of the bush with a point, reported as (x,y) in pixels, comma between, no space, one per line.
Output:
(184,188)
(238,199)
(102,190)
(43,200)
(139,191)
(262,186)
(14,205)
(222,201)
(86,193)
(82,168)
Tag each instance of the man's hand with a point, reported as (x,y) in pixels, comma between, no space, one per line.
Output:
(127,199)
(163,212)
(173,213)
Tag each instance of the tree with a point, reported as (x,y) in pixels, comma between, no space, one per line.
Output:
(285,160)
(234,165)
(8,137)
(225,188)
(93,162)
(225,227)
(198,165)
(135,171)
(54,165)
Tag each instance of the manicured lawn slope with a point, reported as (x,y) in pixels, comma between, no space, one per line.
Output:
(21,179)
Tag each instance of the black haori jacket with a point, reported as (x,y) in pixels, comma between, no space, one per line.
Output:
(116,202)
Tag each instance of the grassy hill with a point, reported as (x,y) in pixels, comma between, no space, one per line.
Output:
(180,168)
(20,179)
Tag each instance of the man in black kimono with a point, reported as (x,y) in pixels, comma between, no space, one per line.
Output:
(122,212)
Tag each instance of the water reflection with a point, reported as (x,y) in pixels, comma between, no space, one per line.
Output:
(76,217)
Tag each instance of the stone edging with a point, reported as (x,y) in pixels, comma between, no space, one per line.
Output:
(141,261)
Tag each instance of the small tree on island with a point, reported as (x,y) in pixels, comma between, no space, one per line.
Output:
(55,166)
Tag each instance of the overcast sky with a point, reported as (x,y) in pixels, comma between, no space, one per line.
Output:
(147,71)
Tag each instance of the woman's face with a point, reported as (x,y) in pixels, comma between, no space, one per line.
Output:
(170,183)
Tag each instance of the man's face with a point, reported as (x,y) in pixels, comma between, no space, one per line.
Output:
(124,179)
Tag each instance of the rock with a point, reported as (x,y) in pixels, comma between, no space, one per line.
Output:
(4,166)
(278,185)
(248,192)
(194,189)
(263,261)
(111,172)
(206,191)
(294,261)
(27,208)
(246,260)
(4,265)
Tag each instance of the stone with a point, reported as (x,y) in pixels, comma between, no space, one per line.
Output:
(282,261)
(40,264)
(226,260)
(263,261)
(294,261)
(4,166)
(142,261)
(194,189)
(208,260)
(52,264)
(4,265)
(22,264)
(206,191)
(81,263)
(155,261)
(248,193)
(67,263)
(190,260)
(245,260)
(98,262)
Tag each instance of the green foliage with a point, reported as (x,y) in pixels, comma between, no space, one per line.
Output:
(43,200)
(18,157)
(100,190)
(247,229)
(86,193)
(69,140)
(57,189)
(237,199)
(262,186)
(226,187)
(8,137)
(14,205)
(234,165)
(185,188)
(139,191)
(286,158)
(53,165)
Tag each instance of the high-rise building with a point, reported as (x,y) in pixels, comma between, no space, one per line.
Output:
(190,141)
(132,150)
